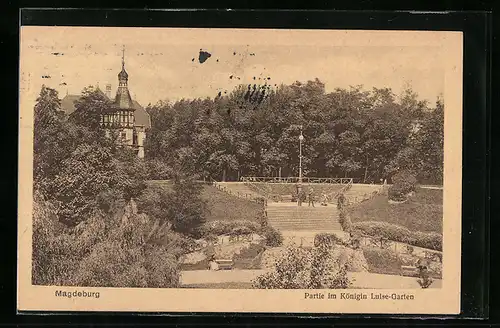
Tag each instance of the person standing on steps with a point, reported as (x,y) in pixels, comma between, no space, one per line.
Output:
(311,197)
(300,197)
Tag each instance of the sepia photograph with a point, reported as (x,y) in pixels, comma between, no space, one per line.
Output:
(166,169)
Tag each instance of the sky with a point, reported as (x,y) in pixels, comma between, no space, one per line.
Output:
(163,63)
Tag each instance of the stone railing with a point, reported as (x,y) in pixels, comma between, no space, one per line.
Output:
(305,180)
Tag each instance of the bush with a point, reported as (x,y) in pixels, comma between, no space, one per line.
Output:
(430,240)
(382,261)
(219,228)
(109,250)
(396,194)
(262,220)
(177,244)
(341,200)
(249,257)
(327,239)
(424,277)
(211,238)
(273,237)
(403,183)
(299,268)
(182,206)
(345,220)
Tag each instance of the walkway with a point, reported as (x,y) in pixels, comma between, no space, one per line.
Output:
(359,279)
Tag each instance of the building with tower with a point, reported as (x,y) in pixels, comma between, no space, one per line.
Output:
(126,116)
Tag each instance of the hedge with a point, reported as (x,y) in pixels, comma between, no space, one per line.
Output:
(240,227)
(382,261)
(430,240)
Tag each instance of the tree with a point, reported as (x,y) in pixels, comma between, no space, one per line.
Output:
(90,107)
(348,132)
(49,135)
(87,172)
(180,205)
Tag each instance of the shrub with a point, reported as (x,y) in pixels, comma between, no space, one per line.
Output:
(273,237)
(109,250)
(52,261)
(396,194)
(327,239)
(341,201)
(404,183)
(430,240)
(177,244)
(345,220)
(211,238)
(262,220)
(182,206)
(219,228)
(383,261)
(299,268)
(424,278)
(249,257)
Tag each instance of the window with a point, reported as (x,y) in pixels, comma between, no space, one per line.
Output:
(124,135)
(134,138)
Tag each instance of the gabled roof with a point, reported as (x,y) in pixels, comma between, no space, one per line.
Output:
(68,103)
(141,116)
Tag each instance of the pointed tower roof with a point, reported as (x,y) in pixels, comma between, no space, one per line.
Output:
(123,99)
(123,75)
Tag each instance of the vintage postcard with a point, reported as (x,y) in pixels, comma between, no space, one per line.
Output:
(240,170)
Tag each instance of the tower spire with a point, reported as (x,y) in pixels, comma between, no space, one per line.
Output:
(123,56)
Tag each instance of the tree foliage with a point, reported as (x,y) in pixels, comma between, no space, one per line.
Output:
(367,135)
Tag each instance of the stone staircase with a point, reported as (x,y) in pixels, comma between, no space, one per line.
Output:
(290,217)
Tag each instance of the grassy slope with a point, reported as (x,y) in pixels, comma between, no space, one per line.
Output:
(422,212)
(225,207)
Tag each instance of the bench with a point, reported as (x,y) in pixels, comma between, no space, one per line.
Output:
(409,270)
(224,264)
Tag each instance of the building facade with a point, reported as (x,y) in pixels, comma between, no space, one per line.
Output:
(126,116)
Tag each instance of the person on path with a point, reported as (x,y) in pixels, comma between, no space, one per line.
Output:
(324,200)
(311,197)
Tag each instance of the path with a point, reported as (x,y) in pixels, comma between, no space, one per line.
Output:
(359,279)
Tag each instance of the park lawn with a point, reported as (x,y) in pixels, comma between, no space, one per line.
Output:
(222,206)
(226,207)
(422,212)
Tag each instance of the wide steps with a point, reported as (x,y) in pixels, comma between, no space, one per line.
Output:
(290,217)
